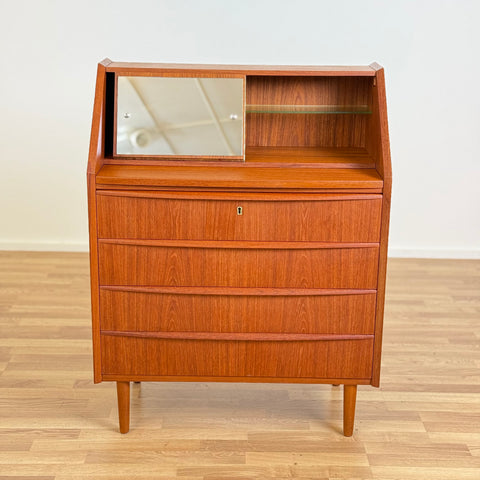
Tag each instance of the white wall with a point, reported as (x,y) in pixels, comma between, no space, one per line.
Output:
(49,51)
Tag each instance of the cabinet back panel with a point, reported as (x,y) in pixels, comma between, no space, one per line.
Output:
(311,130)
(169,312)
(314,359)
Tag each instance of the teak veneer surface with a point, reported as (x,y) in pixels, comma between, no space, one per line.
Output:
(227,176)
(271,156)
(305,130)
(164,312)
(156,357)
(219,69)
(122,264)
(328,157)
(197,218)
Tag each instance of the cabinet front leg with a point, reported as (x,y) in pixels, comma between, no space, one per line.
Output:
(123,397)
(349,400)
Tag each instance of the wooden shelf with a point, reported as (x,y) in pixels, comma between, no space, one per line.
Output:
(194,176)
(310,109)
(313,157)
(348,157)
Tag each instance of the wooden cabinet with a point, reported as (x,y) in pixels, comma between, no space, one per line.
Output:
(238,228)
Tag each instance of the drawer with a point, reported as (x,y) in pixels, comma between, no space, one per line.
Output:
(126,264)
(203,216)
(214,310)
(229,358)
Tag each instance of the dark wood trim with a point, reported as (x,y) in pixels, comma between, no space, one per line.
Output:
(264,197)
(307,191)
(183,378)
(149,161)
(237,337)
(250,291)
(235,244)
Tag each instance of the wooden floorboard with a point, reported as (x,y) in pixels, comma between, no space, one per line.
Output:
(423,423)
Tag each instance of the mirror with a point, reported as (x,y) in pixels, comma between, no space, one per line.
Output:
(179,116)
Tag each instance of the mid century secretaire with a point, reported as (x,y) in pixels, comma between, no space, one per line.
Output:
(238,225)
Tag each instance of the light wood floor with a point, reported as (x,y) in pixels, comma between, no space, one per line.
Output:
(423,423)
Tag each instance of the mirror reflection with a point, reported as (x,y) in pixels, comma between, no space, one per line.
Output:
(179,116)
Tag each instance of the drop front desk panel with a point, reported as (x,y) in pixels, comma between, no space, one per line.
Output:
(261,262)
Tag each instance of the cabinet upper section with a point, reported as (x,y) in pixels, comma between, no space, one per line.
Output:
(275,116)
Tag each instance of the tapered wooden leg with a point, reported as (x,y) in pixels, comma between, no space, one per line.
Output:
(123,397)
(349,400)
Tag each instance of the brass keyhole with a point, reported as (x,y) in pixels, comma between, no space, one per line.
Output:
(239,210)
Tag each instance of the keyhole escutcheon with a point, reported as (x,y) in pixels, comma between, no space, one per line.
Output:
(239,210)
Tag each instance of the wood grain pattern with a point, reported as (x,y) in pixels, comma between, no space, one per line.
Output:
(205,219)
(309,268)
(332,314)
(307,130)
(349,401)
(323,157)
(248,337)
(138,68)
(293,191)
(123,397)
(421,424)
(228,176)
(235,244)
(271,156)
(97,140)
(140,356)
(95,162)
(234,194)
(380,145)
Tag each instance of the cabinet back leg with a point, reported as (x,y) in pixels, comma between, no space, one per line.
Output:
(123,397)
(349,401)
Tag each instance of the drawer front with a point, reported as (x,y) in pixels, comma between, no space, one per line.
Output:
(121,264)
(171,312)
(339,220)
(295,359)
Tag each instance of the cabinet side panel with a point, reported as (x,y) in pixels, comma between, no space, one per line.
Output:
(95,162)
(379,148)
(94,277)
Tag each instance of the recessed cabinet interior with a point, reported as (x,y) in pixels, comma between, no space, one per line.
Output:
(238,225)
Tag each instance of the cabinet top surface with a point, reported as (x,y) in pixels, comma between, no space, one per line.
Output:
(231,177)
(312,70)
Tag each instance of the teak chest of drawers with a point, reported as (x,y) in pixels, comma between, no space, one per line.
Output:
(238,225)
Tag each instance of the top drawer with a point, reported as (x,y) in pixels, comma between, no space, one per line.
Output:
(243,216)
